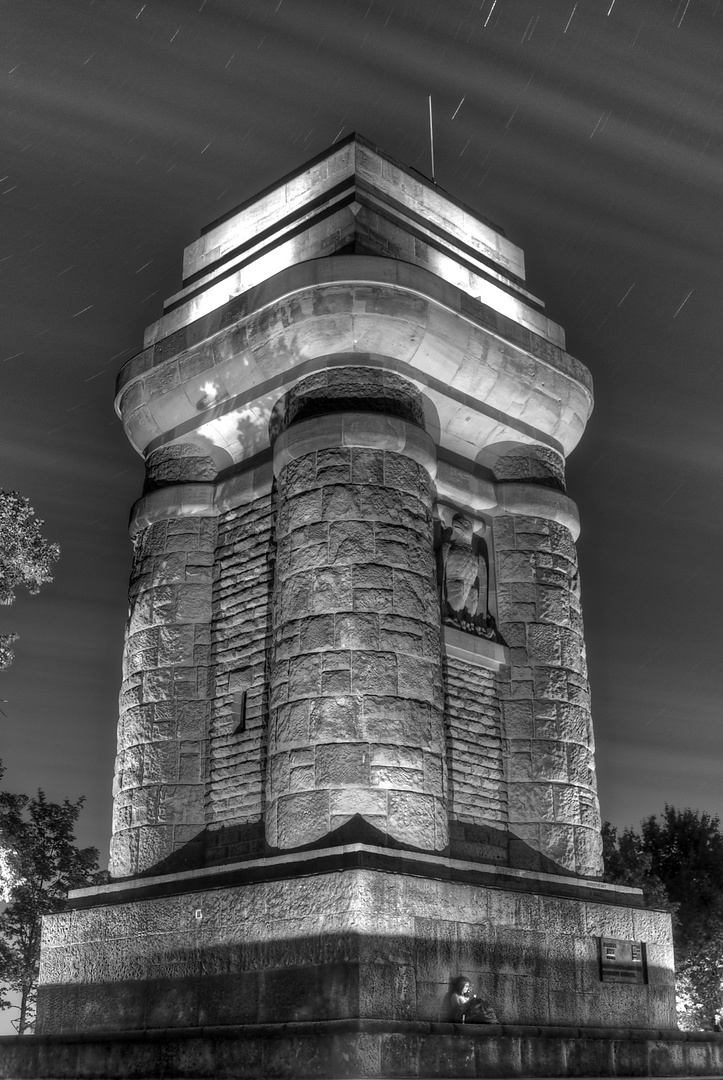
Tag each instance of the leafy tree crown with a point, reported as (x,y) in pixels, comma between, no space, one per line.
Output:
(26,558)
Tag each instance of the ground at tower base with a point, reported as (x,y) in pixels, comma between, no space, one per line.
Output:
(355,746)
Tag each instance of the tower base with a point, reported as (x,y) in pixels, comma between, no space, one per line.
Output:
(345,934)
(362,1048)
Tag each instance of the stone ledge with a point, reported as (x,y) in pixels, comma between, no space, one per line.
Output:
(530,500)
(370,430)
(444,331)
(373,431)
(357,856)
(474,650)
(355,1048)
(202,499)
(310,1028)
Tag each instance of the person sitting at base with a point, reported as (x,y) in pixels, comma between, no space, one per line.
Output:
(466,1008)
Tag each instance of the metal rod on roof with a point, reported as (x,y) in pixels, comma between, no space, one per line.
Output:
(431,137)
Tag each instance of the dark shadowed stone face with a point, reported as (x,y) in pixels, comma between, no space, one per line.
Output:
(355,389)
(179,464)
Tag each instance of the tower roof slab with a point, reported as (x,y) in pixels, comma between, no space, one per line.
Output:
(353,199)
(485,376)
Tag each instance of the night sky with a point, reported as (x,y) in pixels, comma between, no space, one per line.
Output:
(590,131)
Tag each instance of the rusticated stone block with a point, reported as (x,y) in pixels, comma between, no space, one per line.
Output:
(316,633)
(390,776)
(302,818)
(333,465)
(356,631)
(351,542)
(558,842)
(411,817)
(343,501)
(553,605)
(412,596)
(336,718)
(530,802)
(402,473)
(372,576)
(298,596)
(303,508)
(342,765)
(304,676)
(588,845)
(549,761)
(567,804)
(370,803)
(374,672)
(291,724)
(380,600)
(411,757)
(544,644)
(331,589)
(160,762)
(367,466)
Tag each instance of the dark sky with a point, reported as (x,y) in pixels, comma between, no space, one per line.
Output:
(590,131)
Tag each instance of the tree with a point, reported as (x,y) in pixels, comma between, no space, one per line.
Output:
(686,847)
(26,558)
(628,863)
(677,859)
(40,835)
(10,873)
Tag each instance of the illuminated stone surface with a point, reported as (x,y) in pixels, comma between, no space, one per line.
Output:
(356,723)
(498,405)
(324,936)
(356,798)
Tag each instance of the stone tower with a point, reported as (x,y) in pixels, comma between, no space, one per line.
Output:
(352,361)
(355,753)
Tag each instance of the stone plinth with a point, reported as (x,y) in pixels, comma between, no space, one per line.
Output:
(364,1048)
(347,933)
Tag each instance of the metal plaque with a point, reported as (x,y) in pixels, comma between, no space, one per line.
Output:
(622,961)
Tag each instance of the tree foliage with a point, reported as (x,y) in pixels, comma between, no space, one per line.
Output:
(26,558)
(677,859)
(40,835)
(628,863)
(10,873)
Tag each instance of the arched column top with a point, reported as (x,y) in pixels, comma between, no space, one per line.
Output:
(371,431)
(480,496)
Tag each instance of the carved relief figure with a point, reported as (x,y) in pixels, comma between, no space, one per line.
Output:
(464,579)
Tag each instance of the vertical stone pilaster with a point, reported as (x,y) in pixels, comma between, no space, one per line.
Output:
(356,725)
(553,808)
(160,773)
(241,638)
(475,762)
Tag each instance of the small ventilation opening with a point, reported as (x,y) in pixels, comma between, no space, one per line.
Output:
(240,712)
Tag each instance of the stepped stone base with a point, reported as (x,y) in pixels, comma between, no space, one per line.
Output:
(348,933)
(362,1048)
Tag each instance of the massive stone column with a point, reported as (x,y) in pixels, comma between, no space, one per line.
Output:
(160,774)
(553,806)
(356,723)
